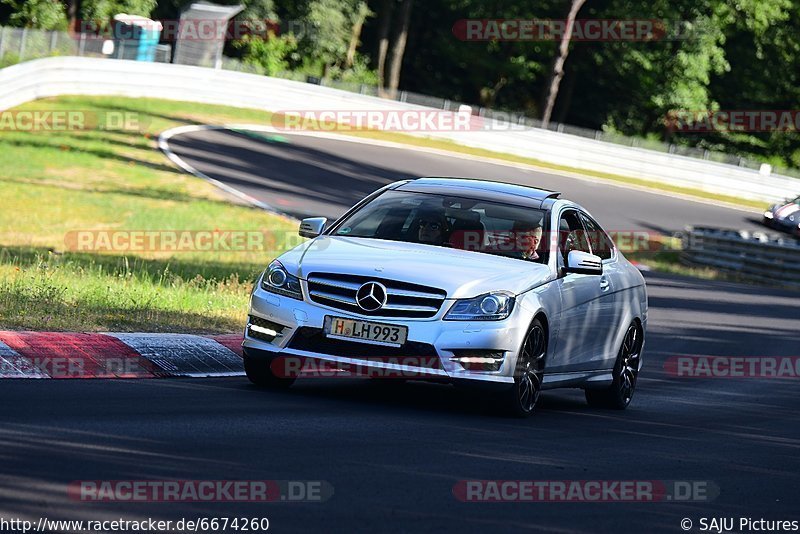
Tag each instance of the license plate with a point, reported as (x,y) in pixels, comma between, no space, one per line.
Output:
(367,331)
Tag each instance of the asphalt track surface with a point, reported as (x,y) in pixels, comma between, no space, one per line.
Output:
(393,453)
(309,176)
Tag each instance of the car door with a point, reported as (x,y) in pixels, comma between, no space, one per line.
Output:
(611,304)
(583,323)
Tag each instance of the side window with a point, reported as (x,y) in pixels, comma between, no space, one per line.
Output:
(601,244)
(571,234)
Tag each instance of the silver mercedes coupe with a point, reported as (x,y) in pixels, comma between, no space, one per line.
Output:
(504,287)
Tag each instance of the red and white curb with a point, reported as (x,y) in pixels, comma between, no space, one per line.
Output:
(76,355)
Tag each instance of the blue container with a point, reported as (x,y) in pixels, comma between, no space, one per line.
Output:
(135,38)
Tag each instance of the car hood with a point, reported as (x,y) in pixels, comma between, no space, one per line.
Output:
(460,273)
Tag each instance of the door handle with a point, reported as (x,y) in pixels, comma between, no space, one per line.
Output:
(604,283)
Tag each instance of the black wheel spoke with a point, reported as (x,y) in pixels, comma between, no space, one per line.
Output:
(529,368)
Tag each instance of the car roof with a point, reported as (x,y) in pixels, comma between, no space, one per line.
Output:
(481,189)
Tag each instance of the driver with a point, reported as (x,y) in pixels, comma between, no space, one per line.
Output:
(527,236)
(433,228)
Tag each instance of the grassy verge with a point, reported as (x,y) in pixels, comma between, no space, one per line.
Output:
(56,183)
(669,261)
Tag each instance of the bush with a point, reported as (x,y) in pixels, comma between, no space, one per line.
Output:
(269,56)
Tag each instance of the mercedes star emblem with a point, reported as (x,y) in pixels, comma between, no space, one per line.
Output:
(371,296)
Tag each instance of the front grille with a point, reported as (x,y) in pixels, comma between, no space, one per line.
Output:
(403,299)
(413,353)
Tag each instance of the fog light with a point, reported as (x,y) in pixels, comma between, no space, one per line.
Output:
(263,330)
(479,360)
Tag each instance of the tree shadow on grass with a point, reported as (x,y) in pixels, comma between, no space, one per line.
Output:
(103,154)
(152,193)
(174,118)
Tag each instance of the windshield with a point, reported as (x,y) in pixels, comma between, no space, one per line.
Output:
(449,221)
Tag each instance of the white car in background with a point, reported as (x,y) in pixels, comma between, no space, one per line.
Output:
(468,281)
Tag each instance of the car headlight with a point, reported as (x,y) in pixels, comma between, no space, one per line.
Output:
(277,280)
(489,307)
(768,214)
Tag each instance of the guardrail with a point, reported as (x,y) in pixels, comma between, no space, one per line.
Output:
(752,256)
(94,76)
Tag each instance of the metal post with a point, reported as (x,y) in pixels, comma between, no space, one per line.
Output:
(218,59)
(53,40)
(82,45)
(2,41)
(22,44)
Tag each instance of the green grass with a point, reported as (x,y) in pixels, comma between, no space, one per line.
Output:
(54,183)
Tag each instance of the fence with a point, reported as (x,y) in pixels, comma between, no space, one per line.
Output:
(23,44)
(17,45)
(752,256)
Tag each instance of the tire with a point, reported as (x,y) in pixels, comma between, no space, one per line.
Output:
(260,373)
(521,399)
(619,394)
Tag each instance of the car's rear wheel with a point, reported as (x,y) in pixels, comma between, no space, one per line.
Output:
(259,372)
(521,399)
(618,395)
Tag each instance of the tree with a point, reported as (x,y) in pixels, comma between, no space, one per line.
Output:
(399,46)
(103,10)
(358,16)
(268,55)
(331,25)
(384,26)
(558,64)
(42,14)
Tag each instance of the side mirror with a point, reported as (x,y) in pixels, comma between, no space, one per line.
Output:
(312,227)
(579,262)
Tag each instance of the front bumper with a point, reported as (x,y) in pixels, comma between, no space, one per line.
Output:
(430,352)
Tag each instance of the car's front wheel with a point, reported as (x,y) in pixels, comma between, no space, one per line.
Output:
(259,372)
(521,399)
(626,372)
